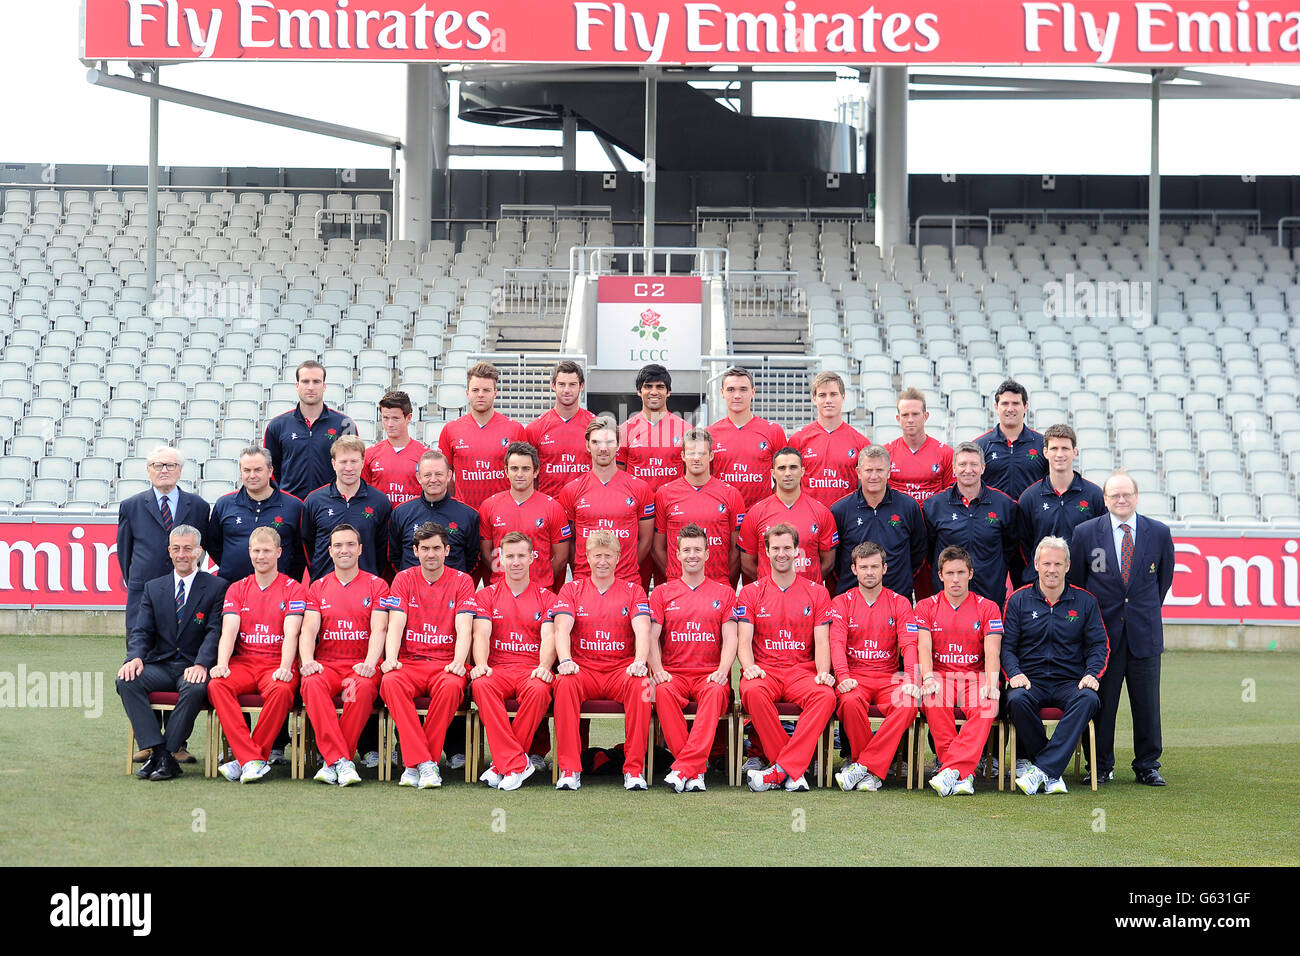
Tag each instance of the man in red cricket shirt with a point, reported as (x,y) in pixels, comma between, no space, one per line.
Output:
(523,508)
(391,462)
(812,520)
(514,648)
(698,498)
(743,443)
(602,639)
(560,434)
(260,623)
(431,610)
(959,651)
(870,626)
(475,444)
(784,653)
(829,445)
(692,647)
(650,441)
(340,647)
(919,465)
(608,498)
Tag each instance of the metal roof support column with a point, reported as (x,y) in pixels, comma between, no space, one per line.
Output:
(151,236)
(651,127)
(419,154)
(889,86)
(1153,199)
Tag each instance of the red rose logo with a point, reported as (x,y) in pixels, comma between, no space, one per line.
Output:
(452,526)
(331,431)
(894,520)
(1073,614)
(199,616)
(1083,506)
(649,325)
(1033,453)
(993,515)
(370,511)
(278,520)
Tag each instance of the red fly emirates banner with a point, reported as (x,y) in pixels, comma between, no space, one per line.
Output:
(786,32)
(1223,579)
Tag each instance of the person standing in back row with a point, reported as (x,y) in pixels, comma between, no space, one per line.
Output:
(1013,452)
(300,440)
(829,445)
(475,444)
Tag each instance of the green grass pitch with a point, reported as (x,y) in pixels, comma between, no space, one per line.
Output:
(1232,741)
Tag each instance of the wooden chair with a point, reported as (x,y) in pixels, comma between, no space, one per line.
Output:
(689,712)
(164,702)
(989,754)
(479,734)
(905,752)
(251,705)
(786,711)
(1051,716)
(388,736)
(309,737)
(601,709)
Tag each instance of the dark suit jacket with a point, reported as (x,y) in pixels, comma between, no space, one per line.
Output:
(141,540)
(156,636)
(1131,612)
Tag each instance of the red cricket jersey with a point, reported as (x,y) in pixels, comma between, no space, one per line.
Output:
(393,472)
(431,611)
(562,447)
(478,455)
(262,613)
(715,506)
(921,473)
(619,506)
(957,633)
(742,455)
(783,619)
(830,460)
(345,611)
(540,517)
(602,623)
(652,451)
(810,518)
(692,620)
(866,639)
(516,622)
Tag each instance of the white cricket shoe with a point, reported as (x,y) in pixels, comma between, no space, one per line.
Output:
(753,763)
(569,781)
(965,786)
(1054,784)
(410,778)
(696,783)
(277,756)
(770,778)
(944,781)
(231,771)
(1029,782)
(513,781)
(326,774)
(675,780)
(455,761)
(538,762)
(347,774)
(371,760)
(634,781)
(850,776)
(429,776)
(871,782)
(491,777)
(254,771)
(796,786)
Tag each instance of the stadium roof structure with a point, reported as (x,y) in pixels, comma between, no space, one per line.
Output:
(649,42)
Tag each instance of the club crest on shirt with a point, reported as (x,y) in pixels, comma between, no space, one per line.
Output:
(722,509)
(281,605)
(975,626)
(624,612)
(451,604)
(807,610)
(762,445)
(629,501)
(505,442)
(537,615)
(716,605)
(891,622)
(934,469)
(852,453)
(812,529)
(365,602)
(539,522)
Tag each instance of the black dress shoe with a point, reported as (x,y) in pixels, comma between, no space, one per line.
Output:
(1102,777)
(1150,778)
(167,768)
(151,763)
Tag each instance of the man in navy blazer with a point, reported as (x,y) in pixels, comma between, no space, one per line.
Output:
(171,647)
(1127,561)
(143,525)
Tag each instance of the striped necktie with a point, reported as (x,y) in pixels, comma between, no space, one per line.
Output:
(166,514)
(180,599)
(1126,553)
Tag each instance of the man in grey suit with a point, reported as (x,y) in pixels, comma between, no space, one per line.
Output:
(170,649)
(1126,560)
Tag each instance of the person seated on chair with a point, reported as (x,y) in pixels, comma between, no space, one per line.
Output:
(514,648)
(261,620)
(430,619)
(342,641)
(871,626)
(784,649)
(692,647)
(958,648)
(171,648)
(1054,651)
(602,639)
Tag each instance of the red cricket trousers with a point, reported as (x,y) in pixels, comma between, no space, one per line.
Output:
(509,743)
(594,683)
(336,737)
(960,749)
(691,749)
(445,691)
(795,684)
(876,751)
(250,674)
